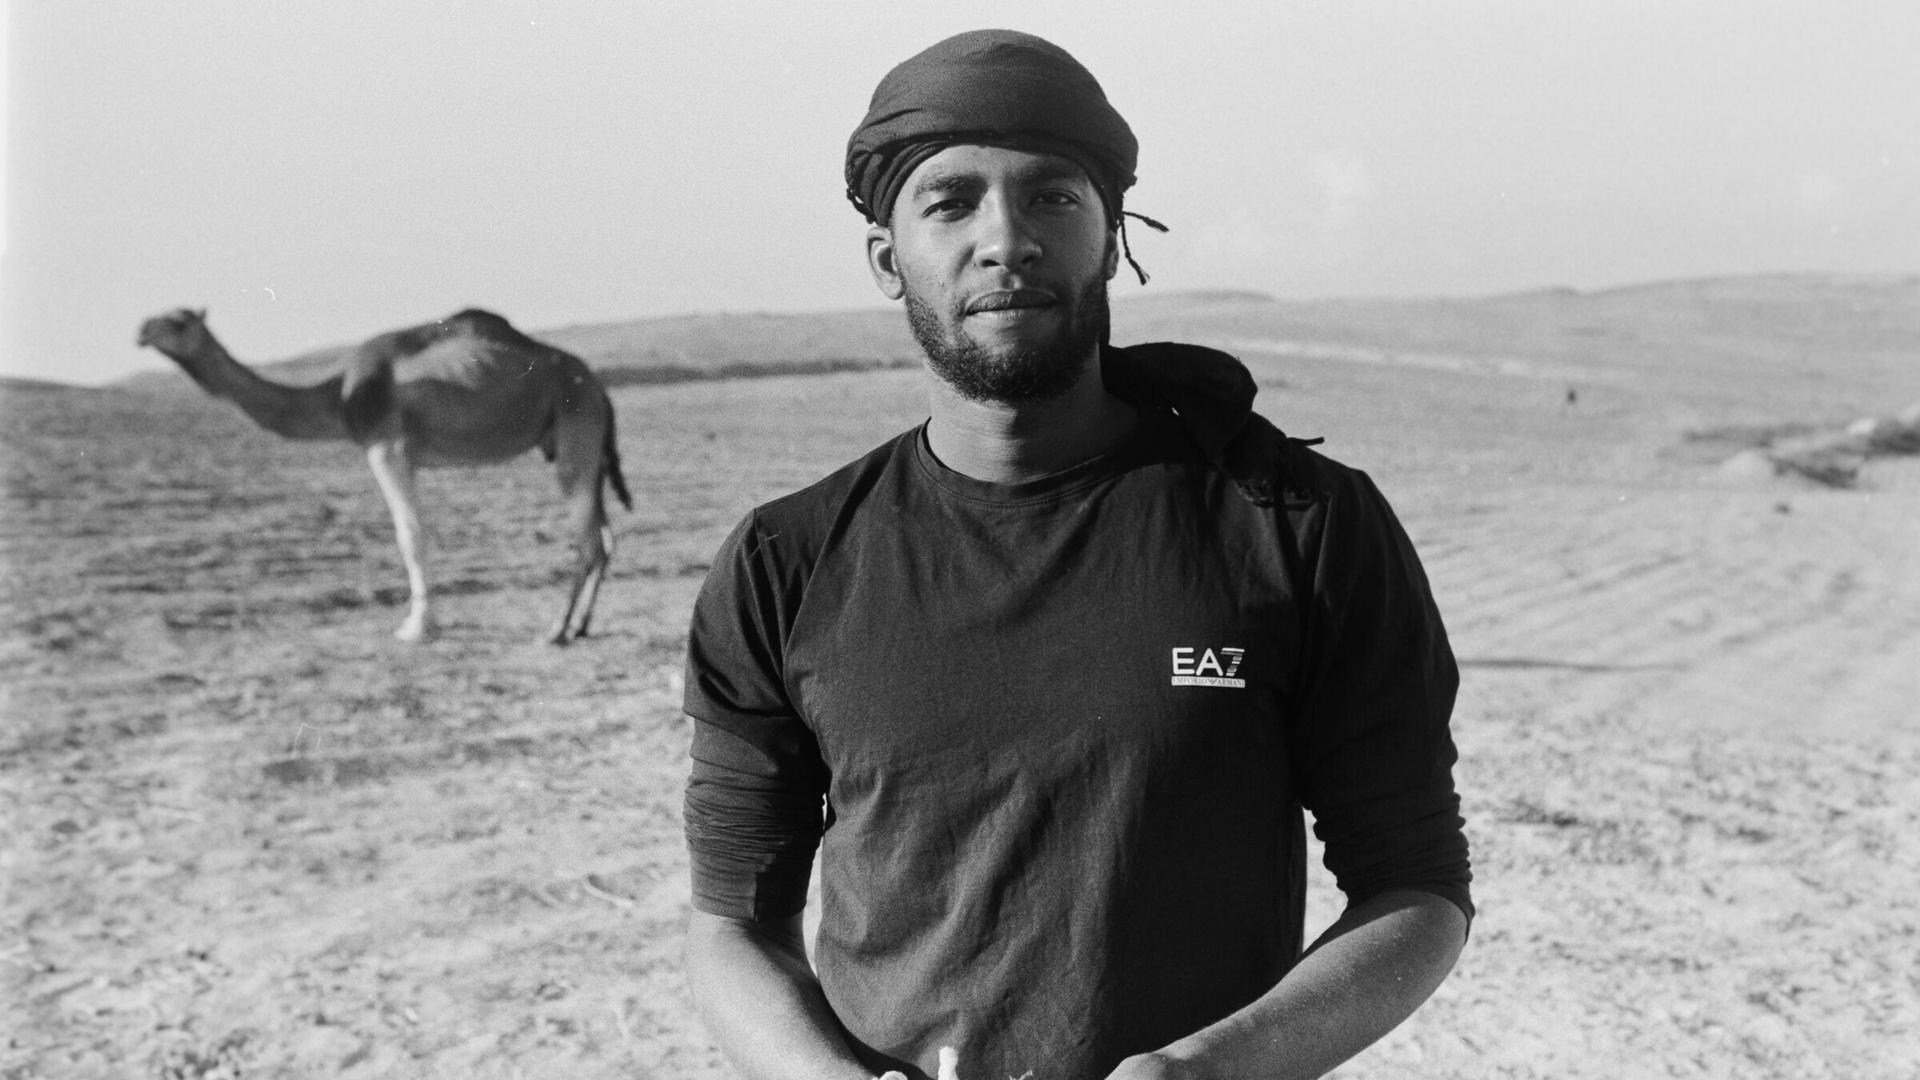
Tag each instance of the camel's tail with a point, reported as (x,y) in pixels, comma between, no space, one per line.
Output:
(610,464)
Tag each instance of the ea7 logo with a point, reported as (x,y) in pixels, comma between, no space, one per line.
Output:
(1211,667)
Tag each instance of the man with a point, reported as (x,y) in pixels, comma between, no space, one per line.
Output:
(1048,679)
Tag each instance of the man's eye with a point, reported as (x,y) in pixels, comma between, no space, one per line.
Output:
(1058,198)
(947,208)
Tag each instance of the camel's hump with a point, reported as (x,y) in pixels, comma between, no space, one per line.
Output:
(396,344)
(479,319)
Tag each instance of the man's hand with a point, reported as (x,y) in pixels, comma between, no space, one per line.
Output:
(1156,1066)
(754,987)
(949,1067)
(1372,967)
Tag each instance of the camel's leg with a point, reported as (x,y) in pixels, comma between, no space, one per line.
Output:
(393,468)
(577,459)
(592,547)
(590,585)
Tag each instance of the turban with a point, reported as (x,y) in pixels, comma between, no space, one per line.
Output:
(997,87)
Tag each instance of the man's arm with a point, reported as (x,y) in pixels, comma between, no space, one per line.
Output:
(1369,971)
(761,1001)
(1373,758)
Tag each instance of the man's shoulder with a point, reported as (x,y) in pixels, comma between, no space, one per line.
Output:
(1276,468)
(1213,393)
(1314,472)
(817,505)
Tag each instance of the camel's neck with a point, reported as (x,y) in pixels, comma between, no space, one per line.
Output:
(293,412)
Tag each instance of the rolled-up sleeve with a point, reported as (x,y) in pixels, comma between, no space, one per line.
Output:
(1371,739)
(756,785)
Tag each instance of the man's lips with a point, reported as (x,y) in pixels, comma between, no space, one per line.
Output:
(1010,300)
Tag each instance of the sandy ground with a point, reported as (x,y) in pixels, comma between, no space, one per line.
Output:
(246,834)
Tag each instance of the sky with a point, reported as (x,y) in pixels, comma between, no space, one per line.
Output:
(317,171)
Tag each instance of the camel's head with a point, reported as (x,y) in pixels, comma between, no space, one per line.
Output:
(180,332)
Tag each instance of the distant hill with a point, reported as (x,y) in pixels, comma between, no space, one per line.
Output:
(682,347)
(18,384)
(1714,329)
(709,346)
(1841,338)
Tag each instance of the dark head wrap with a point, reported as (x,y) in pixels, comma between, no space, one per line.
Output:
(998,87)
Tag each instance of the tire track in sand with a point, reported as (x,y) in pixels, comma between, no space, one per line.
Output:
(1726,608)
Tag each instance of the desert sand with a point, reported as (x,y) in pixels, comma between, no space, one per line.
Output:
(245,833)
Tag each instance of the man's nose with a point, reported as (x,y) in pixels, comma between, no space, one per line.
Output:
(1006,238)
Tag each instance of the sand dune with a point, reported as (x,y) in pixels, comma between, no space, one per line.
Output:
(246,835)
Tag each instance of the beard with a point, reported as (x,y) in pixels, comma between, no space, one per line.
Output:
(1016,375)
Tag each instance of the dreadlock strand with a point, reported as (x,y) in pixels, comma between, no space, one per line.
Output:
(1127,248)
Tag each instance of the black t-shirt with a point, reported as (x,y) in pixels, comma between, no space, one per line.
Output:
(1052,741)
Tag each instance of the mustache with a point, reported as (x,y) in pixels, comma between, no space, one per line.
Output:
(1008,299)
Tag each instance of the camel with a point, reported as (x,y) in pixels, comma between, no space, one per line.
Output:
(466,389)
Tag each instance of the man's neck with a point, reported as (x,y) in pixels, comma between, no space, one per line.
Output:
(1011,444)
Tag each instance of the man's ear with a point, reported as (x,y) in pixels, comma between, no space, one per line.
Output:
(883,261)
(1113,253)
